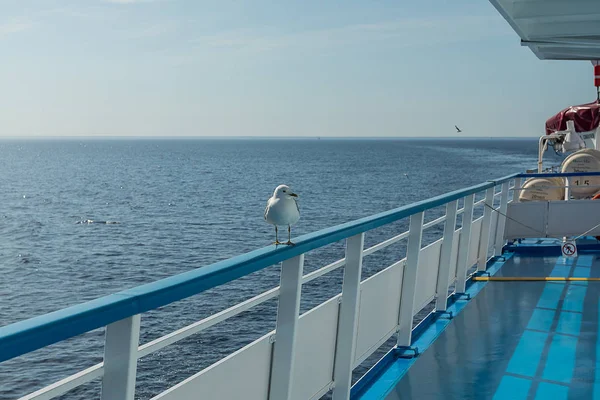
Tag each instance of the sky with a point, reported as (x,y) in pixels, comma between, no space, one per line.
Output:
(274,68)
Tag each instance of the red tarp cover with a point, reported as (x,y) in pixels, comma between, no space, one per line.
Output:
(585,116)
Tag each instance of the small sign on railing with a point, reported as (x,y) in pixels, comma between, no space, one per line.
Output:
(569,249)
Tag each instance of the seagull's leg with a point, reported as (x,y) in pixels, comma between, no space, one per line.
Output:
(276,240)
(289,242)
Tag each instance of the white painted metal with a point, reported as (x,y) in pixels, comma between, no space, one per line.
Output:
(317,336)
(429,265)
(501,219)
(527,219)
(64,385)
(223,379)
(120,359)
(409,280)
(484,240)
(516,190)
(475,242)
(239,308)
(434,222)
(454,257)
(285,332)
(555,29)
(493,232)
(463,247)
(206,323)
(573,218)
(385,244)
(280,372)
(378,309)
(445,254)
(348,323)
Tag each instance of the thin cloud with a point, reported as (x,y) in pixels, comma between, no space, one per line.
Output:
(14,26)
(132,1)
(399,33)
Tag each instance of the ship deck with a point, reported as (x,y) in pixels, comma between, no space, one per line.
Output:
(512,340)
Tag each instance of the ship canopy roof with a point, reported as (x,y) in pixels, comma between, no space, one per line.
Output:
(555,29)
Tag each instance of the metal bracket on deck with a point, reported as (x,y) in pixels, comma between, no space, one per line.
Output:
(404,349)
(448,313)
(467,296)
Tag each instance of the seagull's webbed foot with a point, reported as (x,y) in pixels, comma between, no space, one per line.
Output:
(289,243)
(277,242)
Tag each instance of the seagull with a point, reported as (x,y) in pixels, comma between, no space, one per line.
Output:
(457,129)
(282,209)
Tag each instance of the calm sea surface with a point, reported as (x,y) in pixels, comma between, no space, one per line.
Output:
(183,204)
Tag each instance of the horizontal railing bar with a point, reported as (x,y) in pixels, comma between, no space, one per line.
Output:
(385,244)
(205,323)
(64,385)
(557,174)
(223,315)
(559,187)
(31,334)
(433,223)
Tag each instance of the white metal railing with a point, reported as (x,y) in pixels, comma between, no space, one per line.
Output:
(121,347)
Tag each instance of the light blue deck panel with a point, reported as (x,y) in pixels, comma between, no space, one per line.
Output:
(513,340)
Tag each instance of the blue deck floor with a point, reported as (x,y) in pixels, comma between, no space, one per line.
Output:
(512,341)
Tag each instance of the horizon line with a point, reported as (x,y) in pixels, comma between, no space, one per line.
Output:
(76,137)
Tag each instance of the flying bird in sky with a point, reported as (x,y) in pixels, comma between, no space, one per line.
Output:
(457,129)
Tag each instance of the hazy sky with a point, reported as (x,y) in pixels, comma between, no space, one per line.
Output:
(274,68)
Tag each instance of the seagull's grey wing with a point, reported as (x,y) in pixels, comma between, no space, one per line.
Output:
(266,208)
(297,208)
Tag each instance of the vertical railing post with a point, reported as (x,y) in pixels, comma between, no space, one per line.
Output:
(464,244)
(348,319)
(501,219)
(445,257)
(409,280)
(285,332)
(484,242)
(516,191)
(120,359)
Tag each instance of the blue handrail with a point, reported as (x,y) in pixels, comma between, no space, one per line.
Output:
(557,174)
(25,336)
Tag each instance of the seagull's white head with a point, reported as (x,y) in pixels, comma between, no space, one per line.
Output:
(283,192)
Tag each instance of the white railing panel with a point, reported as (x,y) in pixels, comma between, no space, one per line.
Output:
(501,220)
(445,257)
(573,218)
(532,217)
(454,257)
(378,309)
(429,262)
(409,280)
(241,375)
(64,385)
(316,340)
(493,233)
(475,239)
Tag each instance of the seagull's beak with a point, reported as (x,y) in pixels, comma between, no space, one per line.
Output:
(293,195)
